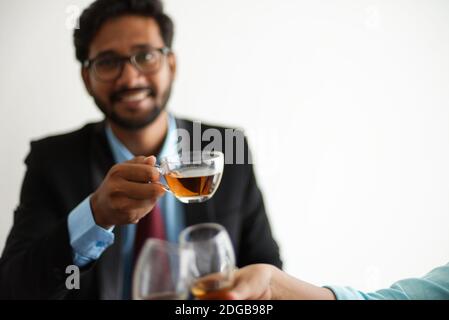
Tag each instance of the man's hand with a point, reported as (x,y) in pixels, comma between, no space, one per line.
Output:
(125,195)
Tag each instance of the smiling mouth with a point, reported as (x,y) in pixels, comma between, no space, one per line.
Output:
(134,95)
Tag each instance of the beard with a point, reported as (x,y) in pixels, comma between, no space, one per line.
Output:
(133,124)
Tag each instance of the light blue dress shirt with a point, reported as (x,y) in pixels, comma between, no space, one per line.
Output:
(433,286)
(89,240)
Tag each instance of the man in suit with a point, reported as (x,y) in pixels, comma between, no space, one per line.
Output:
(85,197)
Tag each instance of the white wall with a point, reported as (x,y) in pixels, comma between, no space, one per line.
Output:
(346,105)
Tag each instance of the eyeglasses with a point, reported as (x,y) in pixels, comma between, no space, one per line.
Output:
(110,68)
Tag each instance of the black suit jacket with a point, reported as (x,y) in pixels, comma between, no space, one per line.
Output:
(62,171)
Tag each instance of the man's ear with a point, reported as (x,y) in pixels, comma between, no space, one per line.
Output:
(86,79)
(172,65)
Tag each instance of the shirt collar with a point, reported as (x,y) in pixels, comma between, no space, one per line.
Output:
(121,153)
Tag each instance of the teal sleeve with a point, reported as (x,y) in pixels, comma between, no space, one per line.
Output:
(433,286)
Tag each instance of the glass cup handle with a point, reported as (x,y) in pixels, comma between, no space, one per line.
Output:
(162,172)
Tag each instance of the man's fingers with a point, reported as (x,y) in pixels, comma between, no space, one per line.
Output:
(138,172)
(141,191)
(151,160)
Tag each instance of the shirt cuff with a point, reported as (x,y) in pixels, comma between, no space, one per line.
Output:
(88,240)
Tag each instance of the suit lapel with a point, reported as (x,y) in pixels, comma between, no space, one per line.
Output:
(101,159)
(110,264)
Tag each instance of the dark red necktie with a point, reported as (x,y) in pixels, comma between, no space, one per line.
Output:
(150,226)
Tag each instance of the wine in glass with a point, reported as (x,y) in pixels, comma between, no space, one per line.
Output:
(213,259)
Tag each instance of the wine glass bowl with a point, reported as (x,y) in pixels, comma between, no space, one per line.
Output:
(213,258)
(161,272)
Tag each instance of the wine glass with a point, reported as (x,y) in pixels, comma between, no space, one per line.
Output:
(161,272)
(213,259)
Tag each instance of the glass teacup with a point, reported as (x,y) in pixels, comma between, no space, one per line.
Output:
(192,176)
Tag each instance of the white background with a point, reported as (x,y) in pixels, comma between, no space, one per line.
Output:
(345,103)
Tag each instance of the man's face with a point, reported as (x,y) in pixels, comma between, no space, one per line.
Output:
(135,99)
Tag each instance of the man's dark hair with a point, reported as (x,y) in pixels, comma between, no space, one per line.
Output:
(100,11)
